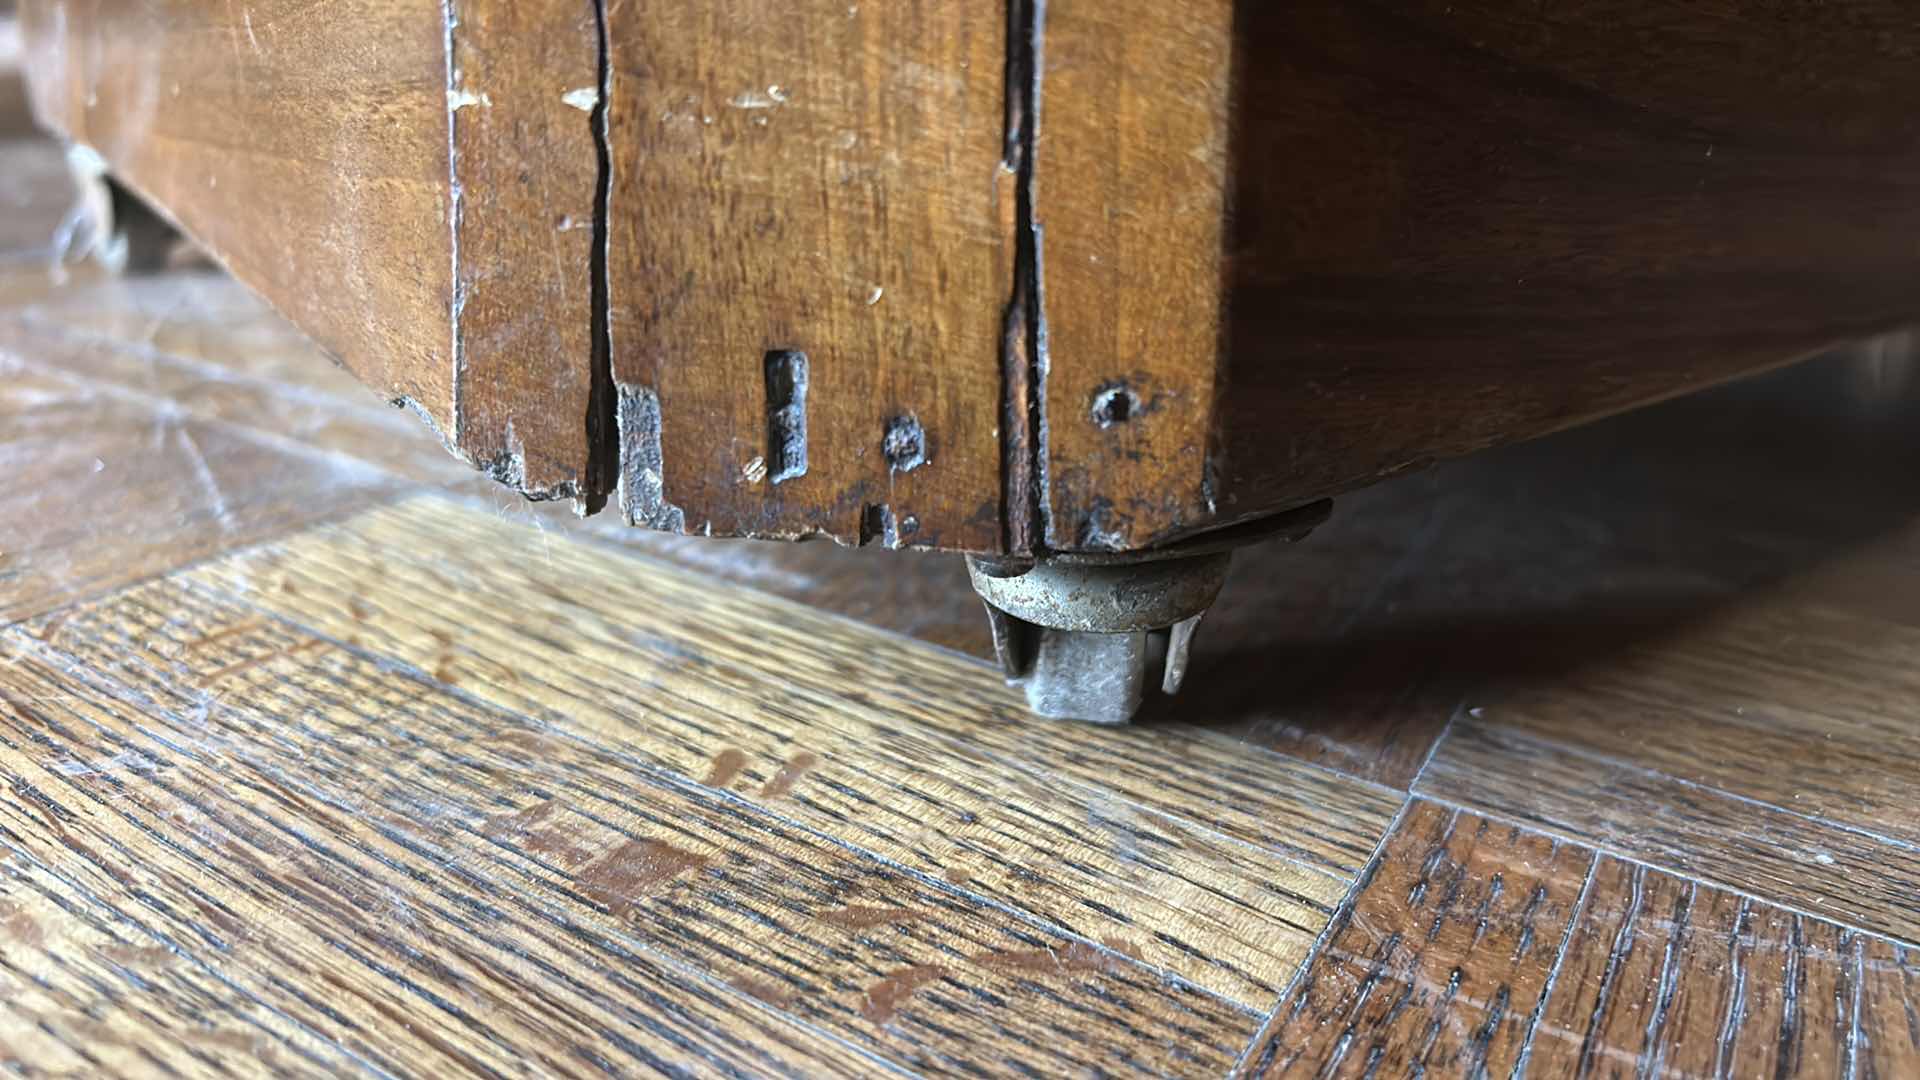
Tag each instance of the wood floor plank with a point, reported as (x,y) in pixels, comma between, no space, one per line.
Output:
(1440,962)
(1477,948)
(907,752)
(1662,973)
(262,850)
(1888,1041)
(1795,859)
(101,491)
(91,989)
(462,862)
(1798,706)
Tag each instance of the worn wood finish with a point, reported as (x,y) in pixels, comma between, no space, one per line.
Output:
(371,797)
(1062,275)
(106,492)
(1442,959)
(289,129)
(640,880)
(827,179)
(1132,171)
(521,83)
(1480,948)
(888,957)
(939,796)
(1667,973)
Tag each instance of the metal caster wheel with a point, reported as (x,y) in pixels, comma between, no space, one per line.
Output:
(1083,633)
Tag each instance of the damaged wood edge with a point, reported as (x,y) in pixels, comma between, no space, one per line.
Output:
(1024,510)
(643,496)
(507,466)
(623,419)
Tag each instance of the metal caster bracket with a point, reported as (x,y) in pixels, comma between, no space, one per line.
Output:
(1081,632)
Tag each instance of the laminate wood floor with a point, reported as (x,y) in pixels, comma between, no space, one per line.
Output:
(320,755)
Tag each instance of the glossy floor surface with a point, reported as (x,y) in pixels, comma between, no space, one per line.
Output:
(318,754)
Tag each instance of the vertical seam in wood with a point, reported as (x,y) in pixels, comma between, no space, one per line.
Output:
(603,427)
(1559,960)
(456,297)
(1859,967)
(1024,523)
(1623,941)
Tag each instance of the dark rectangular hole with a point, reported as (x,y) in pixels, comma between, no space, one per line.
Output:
(786,373)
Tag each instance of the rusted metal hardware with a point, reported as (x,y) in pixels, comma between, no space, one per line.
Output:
(1081,631)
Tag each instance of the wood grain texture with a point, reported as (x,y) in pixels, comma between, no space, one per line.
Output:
(1482,948)
(1132,173)
(1887,1040)
(491,829)
(1459,224)
(1442,959)
(288,128)
(822,178)
(444,967)
(525,176)
(970,792)
(1664,974)
(1070,274)
(399,816)
(1782,853)
(1799,707)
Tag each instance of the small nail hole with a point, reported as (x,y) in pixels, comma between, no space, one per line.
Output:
(1114,405)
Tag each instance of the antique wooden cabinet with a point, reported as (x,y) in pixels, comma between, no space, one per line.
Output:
(1073,286)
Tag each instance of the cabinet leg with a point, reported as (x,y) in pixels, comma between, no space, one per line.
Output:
(1084,633)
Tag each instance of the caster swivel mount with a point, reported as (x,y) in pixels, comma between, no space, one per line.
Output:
(1081,632)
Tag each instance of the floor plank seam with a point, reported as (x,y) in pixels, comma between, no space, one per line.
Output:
(1565,837)
(1852,1049)
(1599,758)
(1342,913)
(687,784)
(1446,729)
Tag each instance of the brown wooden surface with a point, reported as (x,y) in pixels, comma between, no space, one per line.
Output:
(1480,948)
(307,148)
(323,757)
(823,178)
(1131,168)
(525,170)
(1459,224)
(1064,275)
